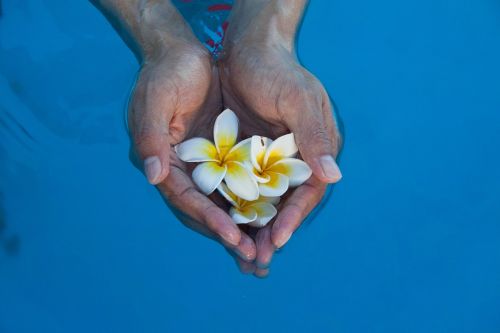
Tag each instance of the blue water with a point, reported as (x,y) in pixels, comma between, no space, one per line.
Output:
(409,241)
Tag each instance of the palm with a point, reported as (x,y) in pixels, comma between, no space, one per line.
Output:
(264,87)
(174,99)
(271,94)
(174,92)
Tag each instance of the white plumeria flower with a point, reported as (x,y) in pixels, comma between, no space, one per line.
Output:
(274,165)
(255,213)
(224,160)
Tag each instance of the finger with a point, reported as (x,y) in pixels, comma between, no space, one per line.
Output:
(180,191)
(300,203)
(246,249)
(243,253)
(312,128)
(150,114)
(265,247)
(245,266)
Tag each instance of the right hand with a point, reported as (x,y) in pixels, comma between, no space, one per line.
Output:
(273,94)
(177,96)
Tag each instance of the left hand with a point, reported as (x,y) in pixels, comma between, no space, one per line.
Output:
(273,94)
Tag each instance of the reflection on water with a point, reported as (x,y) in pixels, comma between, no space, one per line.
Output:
(411,232)
(47,103)
(2,219)
(10,243)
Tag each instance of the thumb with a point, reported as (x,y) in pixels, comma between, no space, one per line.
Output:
(315,137)
(150,135)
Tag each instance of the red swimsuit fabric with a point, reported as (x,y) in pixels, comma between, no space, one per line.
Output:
(208,20)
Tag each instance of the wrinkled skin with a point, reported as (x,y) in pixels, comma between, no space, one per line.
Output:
(179,93)
(272,94)
(177,97)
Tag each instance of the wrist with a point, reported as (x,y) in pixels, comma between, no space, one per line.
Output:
(151,28)
(162,29)
(267,23)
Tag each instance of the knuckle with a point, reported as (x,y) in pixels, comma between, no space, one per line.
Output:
(297,213)
(208,212)
(187,194)
(319,135)
(319,131)
(178,197)
(144,141)
(310,93)
(149,136)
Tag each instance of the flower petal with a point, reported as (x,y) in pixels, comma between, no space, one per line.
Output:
(296,170)
(258,150)
(228,195)
(208,176)
(240,152)
(265,213)
(196,150)
(241,182)
(277,185)
(244,216)
(225,132)
(282,147)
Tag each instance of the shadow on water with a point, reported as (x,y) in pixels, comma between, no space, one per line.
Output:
(9,243)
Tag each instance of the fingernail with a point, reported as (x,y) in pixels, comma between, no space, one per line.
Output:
(231,237)
(279,235)
(331,170)
(247,257)
(282,239)
(152,168)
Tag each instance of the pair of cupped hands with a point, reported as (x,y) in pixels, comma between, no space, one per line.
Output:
(179,93)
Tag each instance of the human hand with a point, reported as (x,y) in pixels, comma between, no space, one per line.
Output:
(272,94)
(176,96)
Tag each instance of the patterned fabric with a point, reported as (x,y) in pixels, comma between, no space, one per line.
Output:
(207,19)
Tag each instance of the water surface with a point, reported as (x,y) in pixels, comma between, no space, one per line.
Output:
(408,242)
